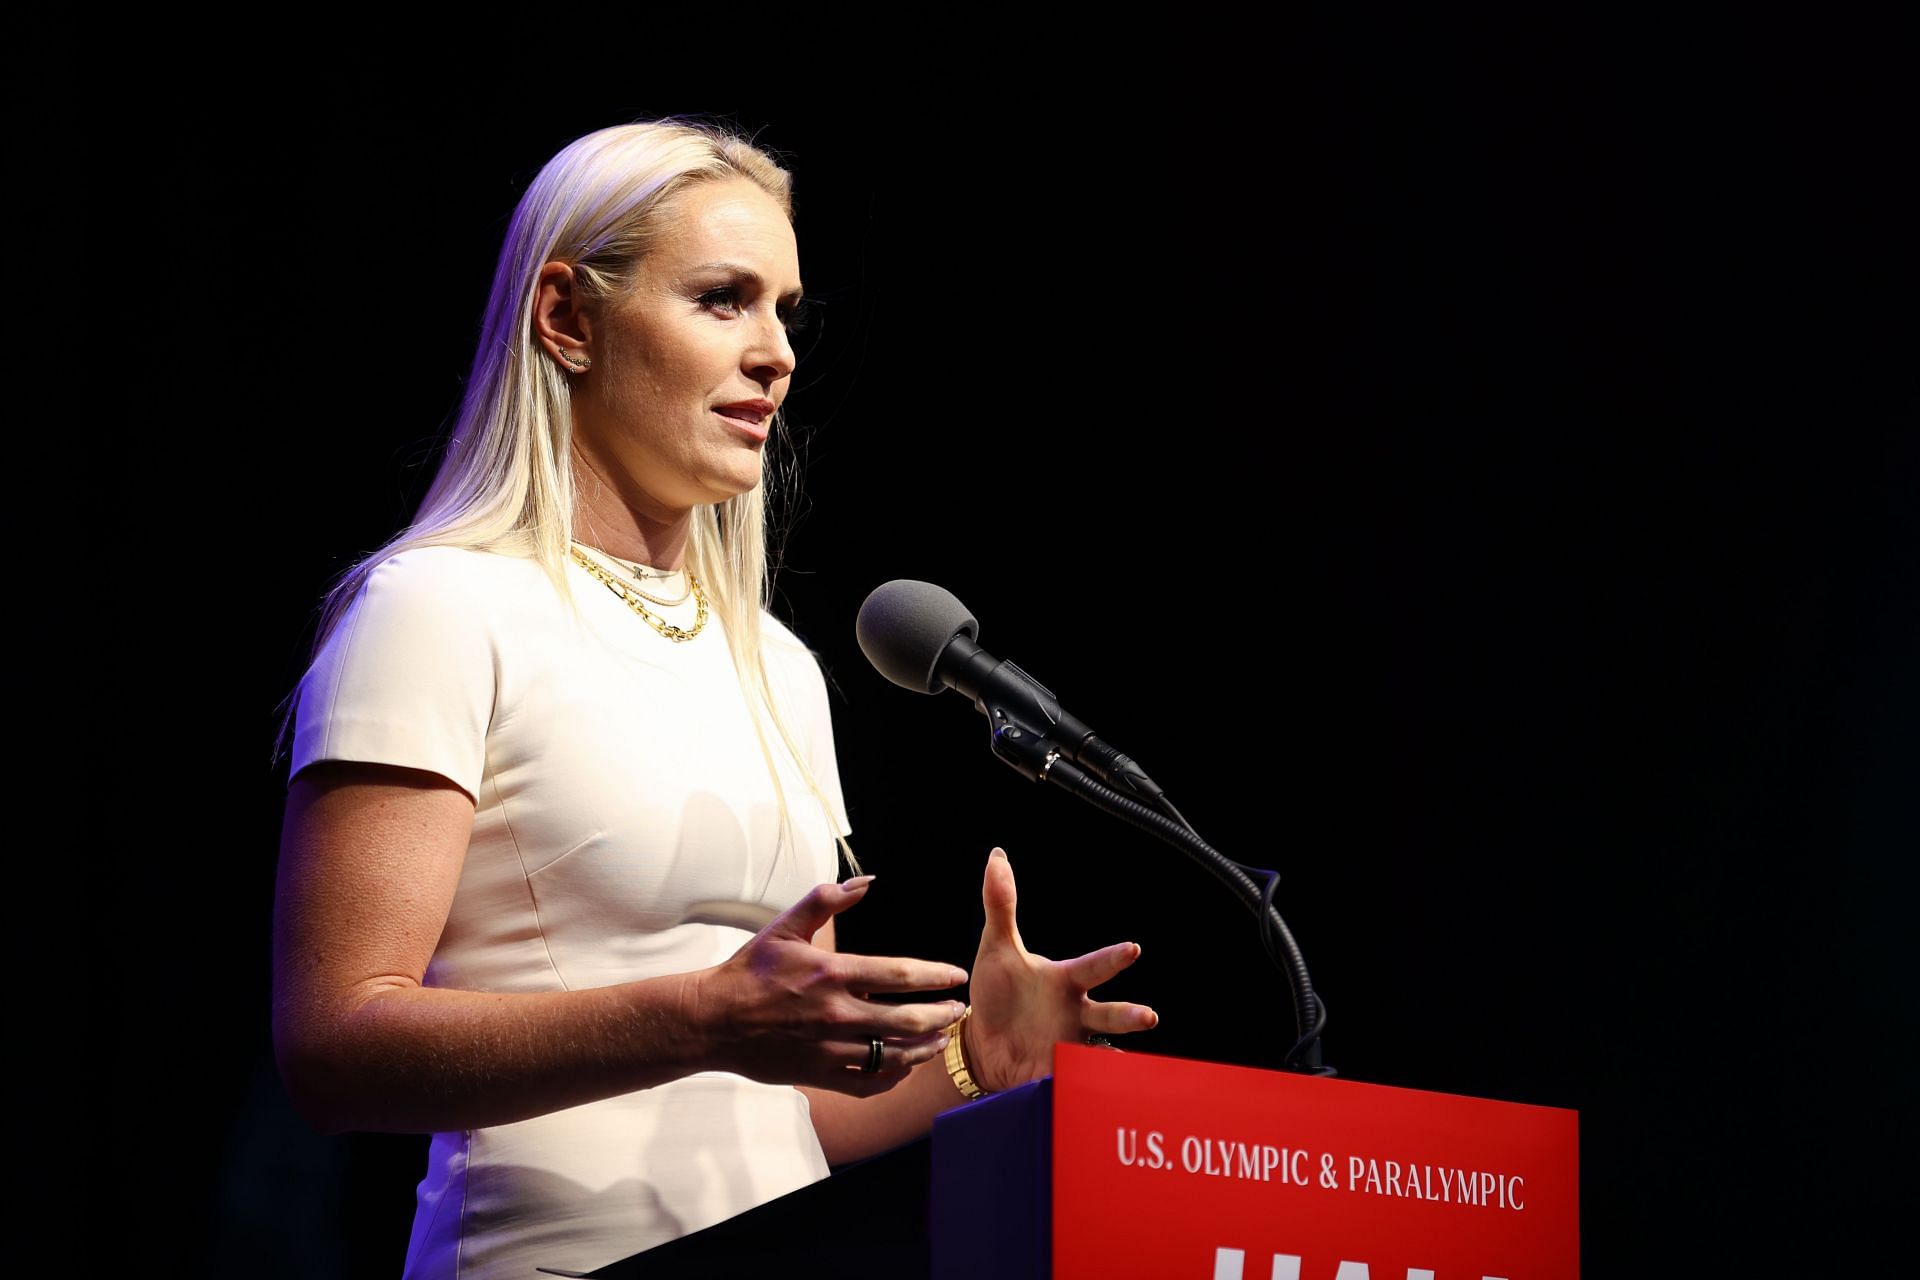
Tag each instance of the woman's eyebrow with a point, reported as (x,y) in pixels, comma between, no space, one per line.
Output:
(752,276)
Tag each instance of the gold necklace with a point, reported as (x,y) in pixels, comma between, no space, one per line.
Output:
(644,595)
(665,628)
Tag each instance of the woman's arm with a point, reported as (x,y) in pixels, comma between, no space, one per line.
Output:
(370,858)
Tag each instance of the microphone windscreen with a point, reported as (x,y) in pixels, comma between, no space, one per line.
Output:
(905,626)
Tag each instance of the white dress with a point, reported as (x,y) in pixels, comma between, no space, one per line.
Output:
(625,827)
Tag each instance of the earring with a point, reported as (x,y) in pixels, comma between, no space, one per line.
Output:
(581,361)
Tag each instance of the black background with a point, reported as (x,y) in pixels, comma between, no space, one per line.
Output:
(1471,467)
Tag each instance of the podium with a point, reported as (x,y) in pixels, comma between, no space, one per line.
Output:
(1132,1165)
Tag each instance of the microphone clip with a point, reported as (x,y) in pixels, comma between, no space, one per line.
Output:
(1031,754)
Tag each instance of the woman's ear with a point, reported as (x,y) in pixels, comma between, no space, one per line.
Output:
(560,322)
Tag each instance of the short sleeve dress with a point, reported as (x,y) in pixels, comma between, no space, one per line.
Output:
(625,827)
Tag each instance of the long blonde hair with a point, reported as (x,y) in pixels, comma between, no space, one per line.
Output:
(505,481)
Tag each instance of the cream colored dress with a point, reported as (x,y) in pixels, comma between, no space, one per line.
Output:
(625,827)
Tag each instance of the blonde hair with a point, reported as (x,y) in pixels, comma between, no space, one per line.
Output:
(505,482)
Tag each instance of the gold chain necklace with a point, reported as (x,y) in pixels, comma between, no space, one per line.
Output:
(665,628)
(635,570)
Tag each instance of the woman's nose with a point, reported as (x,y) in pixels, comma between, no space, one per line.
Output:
(770,357)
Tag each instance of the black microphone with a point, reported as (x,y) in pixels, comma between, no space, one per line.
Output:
(921,637)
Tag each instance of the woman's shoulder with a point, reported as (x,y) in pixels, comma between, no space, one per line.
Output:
(444,559)
(440,587)
(776,635)
(455,570)
(788,654)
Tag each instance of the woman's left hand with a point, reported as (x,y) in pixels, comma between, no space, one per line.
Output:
(1024,1003)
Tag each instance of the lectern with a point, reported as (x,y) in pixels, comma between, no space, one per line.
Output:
(1127,1165)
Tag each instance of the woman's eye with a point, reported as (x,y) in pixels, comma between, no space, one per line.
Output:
(795,318)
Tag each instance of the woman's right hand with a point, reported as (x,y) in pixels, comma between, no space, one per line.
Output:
(784,1011)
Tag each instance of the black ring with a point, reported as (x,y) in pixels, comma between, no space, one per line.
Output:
(874,1048)
(1100,1042)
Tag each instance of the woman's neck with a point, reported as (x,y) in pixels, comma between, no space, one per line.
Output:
(657,538)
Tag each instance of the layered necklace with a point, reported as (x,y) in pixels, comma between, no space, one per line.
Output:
(633,593)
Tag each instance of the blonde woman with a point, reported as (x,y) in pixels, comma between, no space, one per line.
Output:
(558,873)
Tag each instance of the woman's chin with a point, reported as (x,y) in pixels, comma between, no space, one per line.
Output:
(724,491)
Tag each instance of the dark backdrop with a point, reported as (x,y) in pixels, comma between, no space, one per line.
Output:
(1473,472)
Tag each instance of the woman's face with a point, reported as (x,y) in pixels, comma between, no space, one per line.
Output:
(689,367)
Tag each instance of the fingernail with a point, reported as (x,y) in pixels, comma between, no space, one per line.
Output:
(856,882)
(956,976)
(1002,855)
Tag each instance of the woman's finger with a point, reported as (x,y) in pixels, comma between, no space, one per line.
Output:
(855,1064)
(1001,899)
(1095,967)
(1117,1018)
(864,975)
(820,904)
(871,1018)
(908,1051)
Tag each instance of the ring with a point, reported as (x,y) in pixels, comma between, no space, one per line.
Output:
(1100,1042)
(874,1048)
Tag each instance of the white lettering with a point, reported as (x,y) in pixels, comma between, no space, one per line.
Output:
(1128,1141)
(1411,1181)
(1222,1158)
(1230,1264)
(1156,1153)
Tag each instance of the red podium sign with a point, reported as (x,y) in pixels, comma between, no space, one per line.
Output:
(1170,1169)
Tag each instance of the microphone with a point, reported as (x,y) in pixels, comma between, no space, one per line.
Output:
(921,637)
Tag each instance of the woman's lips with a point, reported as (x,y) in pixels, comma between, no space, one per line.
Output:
(750,424)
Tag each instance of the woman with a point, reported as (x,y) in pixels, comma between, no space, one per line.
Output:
(556,874)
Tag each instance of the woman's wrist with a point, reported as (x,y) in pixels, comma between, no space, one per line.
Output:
(694,1031)
(961,1060)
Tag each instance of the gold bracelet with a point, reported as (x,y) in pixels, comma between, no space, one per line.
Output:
(957,1060)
